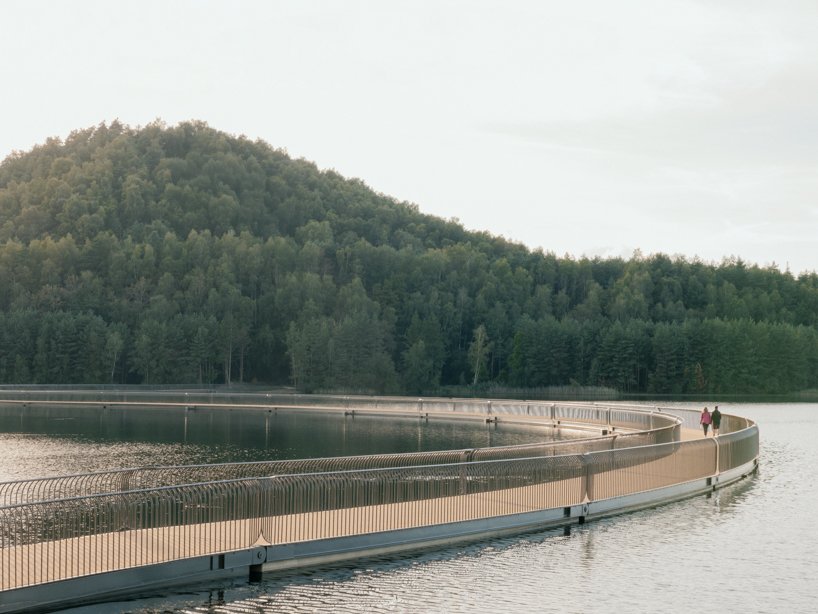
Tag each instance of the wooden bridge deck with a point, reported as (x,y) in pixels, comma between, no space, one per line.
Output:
(74,557)
(50,561)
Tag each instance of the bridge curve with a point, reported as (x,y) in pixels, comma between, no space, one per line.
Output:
(75,539)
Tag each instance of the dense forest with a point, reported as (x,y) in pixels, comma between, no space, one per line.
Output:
(185,255)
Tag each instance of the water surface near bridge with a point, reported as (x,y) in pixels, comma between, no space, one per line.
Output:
(38,441)
(752,547)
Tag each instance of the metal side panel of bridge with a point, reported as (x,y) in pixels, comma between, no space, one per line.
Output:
(128,582)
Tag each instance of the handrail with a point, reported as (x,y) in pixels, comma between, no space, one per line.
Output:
(120,480)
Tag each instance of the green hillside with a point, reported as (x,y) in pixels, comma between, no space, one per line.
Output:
(186,255)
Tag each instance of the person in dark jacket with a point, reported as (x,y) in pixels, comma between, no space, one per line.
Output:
(715,418)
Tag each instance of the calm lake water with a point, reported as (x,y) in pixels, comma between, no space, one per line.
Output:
(752,547)
(57,441)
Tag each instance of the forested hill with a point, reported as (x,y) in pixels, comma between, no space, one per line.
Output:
(185,255)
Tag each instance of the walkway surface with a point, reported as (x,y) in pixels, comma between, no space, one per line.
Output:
(691,434)
(67,558)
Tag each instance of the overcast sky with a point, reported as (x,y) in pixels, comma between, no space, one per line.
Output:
(585,128)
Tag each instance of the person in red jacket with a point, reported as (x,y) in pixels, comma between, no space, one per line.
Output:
(705,420)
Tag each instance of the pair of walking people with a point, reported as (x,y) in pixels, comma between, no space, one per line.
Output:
(707,419)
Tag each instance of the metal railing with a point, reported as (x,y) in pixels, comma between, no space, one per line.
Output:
(121,480)
(565,411)
(123,519)
(656,428)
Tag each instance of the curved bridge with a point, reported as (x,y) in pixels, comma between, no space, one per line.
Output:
(83,538)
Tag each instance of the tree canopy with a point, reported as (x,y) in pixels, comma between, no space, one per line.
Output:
(185,255)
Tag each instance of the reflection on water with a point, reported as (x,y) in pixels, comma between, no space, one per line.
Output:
(49,441)
(751,547)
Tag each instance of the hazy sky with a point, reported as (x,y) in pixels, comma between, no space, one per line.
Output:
(597,128)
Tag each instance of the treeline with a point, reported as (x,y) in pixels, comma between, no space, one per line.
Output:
(184,255)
